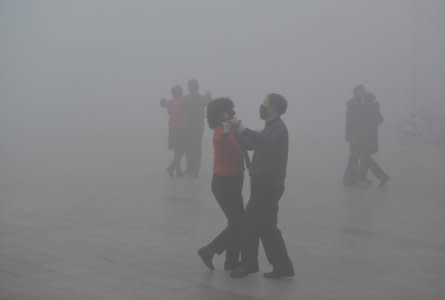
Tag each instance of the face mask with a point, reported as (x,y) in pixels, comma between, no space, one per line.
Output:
(263,112)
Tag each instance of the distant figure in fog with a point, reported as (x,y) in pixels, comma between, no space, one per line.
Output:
(195,104)
(227,184)
(363,119)
(268,173)
(177,126)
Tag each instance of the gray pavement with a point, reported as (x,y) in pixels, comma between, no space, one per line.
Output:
(104,228)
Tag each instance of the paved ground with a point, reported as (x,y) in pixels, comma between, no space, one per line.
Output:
(101,228)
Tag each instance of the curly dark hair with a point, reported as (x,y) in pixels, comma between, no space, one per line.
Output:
(176,91)
(215,110)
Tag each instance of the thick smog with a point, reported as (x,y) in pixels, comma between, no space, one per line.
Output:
(222,149)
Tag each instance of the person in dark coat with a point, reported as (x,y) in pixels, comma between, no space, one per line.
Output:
(363,119)
(268,173)
(195,105)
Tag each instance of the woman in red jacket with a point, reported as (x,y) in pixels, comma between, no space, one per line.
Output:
(227,184)
(177,126)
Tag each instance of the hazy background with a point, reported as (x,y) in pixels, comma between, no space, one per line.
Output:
(86,207)
(81,80)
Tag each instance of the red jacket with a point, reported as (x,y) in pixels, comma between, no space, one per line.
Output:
(178,114)
(228,154)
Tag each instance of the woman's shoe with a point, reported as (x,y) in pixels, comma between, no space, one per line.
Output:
(206,256)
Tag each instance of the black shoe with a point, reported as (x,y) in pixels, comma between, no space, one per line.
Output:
(367,181)
(384,181)
(350,183)
(277,274)
(364,184)
(207,256)
(191,175)
(242,271)
(230,266)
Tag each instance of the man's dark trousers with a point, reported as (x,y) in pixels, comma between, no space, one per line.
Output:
(368,163)
(260,222)
(358,166)
(353,170)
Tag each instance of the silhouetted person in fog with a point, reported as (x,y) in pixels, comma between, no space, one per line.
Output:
(177,125)
(363,119)
(267,186)
(227,184)
(195,104)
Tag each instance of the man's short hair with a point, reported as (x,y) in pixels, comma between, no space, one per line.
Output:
(193,84)
(358,88)
(278,102)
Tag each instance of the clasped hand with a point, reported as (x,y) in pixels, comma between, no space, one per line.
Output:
(233,125)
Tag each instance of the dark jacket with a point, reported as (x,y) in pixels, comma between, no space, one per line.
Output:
(271,148)
(362,125)
(195,105)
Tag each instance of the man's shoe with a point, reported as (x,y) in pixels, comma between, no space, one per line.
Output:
(207,256)
(242,271)
(350,183)
(277,274)
(384,181)
(230,266)
(364,184)
(368,181)
(170,172)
